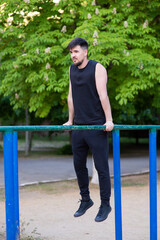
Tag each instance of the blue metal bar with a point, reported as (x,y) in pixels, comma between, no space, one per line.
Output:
(16,185)
(9,185)
(117,185)
(153,184)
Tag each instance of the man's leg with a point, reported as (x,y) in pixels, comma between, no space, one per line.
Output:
(80,152)
(98,142)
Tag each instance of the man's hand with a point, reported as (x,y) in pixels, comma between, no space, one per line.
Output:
(68,123)
(109,126)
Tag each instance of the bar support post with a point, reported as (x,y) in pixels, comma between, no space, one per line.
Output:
(153,183)
(117,185)
(11,185)
(16,184)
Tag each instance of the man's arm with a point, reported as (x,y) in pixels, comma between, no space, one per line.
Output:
(101,82)
(70,107)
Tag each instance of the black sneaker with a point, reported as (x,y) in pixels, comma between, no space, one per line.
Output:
(103,213)
(83,207)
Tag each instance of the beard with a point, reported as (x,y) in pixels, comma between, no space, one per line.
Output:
(78,63)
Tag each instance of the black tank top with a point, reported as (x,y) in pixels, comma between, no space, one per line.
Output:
(87,106)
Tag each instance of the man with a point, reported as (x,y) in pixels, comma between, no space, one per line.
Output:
(88,104)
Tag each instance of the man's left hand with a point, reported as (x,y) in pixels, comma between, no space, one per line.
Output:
(109,126)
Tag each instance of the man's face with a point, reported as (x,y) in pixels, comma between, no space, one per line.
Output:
(78,54)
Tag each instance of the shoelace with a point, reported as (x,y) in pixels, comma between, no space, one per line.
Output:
(80,201)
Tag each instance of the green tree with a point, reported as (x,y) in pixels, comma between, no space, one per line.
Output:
(122,35)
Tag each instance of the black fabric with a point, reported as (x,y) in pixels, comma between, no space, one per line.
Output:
(87,106)
(97,142)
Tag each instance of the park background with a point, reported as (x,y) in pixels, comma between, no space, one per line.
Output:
(34,61)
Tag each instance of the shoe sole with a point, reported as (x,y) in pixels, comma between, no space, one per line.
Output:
(101,220)
(85,210)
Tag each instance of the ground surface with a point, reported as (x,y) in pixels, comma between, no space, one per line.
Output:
(46,212)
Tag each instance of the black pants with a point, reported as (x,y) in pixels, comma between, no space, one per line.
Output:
(97,142)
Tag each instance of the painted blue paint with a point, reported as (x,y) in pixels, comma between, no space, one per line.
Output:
(117,185)
(11,174)
(16,185)
(9,185)
(153,183)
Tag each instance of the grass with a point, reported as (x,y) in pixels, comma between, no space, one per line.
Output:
(52,188)
(2,194)
(70,185)
(137,180)
(23,226)
(2,237)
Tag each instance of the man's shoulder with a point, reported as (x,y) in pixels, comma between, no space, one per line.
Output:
(97,64)
(100,66)
(93,62)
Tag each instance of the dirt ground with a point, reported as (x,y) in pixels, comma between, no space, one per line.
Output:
(46,212)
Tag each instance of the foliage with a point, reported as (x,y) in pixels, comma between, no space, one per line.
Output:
(65,150)
(8,116)
(122,35)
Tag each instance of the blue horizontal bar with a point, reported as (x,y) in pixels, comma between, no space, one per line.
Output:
(75,127)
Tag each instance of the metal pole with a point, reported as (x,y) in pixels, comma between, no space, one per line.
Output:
(9,185)
(153,183)
(117,185)
(16,185)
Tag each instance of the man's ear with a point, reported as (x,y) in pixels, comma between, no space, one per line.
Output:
(86,52)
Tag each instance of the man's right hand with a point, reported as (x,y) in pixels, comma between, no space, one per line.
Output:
(69,123)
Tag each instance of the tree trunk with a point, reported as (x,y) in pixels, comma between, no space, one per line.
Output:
(30,140)
(27,133)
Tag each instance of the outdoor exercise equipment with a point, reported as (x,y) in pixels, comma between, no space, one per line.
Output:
(10,147)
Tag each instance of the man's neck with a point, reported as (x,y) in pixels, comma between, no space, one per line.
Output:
(84,64)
